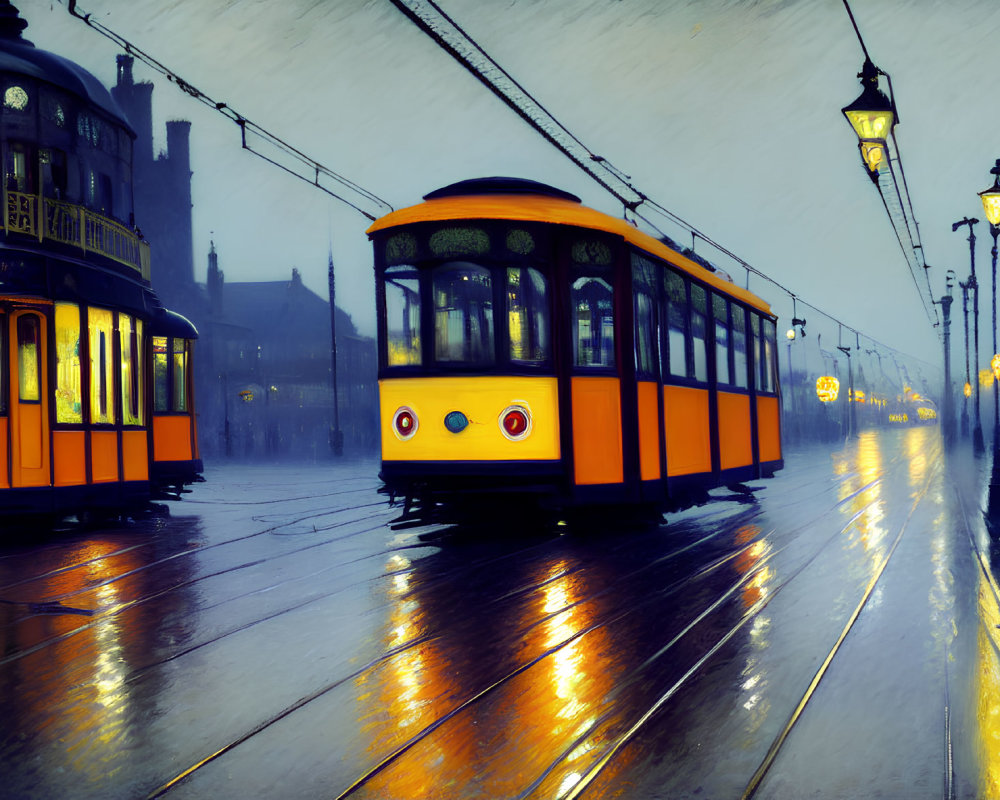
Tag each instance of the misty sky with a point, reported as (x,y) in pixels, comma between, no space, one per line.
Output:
(727,112)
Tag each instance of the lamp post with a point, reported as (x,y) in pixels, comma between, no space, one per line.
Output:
(872,116)
(947,405)
(977,428)
(336,435)
(966,387)
(991,207)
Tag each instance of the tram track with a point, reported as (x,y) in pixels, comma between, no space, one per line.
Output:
(587,779)
(520,669)
(99,617)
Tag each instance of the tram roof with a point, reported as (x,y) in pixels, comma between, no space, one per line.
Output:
(20,57)
(556,211)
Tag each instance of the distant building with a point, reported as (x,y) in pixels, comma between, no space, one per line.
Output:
(263,361)
(268,349)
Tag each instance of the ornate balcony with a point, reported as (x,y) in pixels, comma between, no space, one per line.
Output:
(70,224)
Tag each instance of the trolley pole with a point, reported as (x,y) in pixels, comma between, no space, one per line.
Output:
(336,435)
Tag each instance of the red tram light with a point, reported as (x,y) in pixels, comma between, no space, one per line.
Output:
(515,422)
(404,422)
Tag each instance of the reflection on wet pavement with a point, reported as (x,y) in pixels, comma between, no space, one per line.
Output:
(836,637)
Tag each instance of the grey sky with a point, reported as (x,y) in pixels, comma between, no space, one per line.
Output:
(725,111)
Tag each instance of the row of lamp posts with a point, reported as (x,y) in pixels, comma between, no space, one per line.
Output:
(872,116)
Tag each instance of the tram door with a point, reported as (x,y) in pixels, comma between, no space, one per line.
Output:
(27,399)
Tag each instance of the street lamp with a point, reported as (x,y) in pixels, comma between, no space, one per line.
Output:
(977,429)
(872,116)
(991,207)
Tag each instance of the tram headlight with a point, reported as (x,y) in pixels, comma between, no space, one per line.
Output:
(404,423)
(515,422)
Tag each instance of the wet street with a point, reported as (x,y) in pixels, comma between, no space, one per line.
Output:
(274,636)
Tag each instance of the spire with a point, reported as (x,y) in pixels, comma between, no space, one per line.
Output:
(11,24)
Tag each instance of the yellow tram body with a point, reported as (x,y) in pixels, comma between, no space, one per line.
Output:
(532,345)
(96,407)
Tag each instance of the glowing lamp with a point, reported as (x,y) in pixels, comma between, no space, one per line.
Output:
(790,334)
(871,117)
(991,197)
(967,389)
(985,378)
(827,388)
(246,395)
(995,366)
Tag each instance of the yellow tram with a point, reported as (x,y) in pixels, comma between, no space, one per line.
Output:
(534,347)
(96,407)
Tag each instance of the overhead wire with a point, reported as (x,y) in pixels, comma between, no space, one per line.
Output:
(311,170)
(914,260)
(456,41)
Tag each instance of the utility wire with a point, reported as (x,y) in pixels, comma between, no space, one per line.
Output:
(303,167)
(451,37)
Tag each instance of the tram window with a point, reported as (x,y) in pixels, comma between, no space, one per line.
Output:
(593,320)
(28,359)
(69,391)
(180,367)
(130,334)
(402,316)
(756,374)
(161,388)
(102,366)
(770,349)
(463,313)
(528,315)
(720,313)
(699,331)
(17,168)
(739,346)
(645,318)
(677,327)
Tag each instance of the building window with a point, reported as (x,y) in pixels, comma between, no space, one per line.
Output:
(69,392)
(15,98)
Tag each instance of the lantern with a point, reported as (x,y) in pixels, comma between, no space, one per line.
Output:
(827,388)
(871,116)
(995,366)
(967,389)
(991,198)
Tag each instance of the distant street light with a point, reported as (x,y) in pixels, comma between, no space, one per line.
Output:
(872,117)
(977,430)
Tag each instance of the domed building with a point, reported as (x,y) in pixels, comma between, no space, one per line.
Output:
(95,376)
